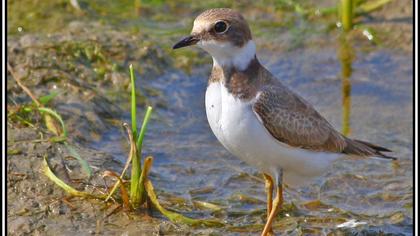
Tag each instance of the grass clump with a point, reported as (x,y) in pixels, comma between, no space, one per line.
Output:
(140,186)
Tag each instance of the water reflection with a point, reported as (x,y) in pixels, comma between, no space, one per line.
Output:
(346,57)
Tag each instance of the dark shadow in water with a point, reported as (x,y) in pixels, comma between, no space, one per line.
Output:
(346,57)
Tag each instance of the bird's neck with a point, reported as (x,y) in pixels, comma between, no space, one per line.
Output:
(241,83)
(234,57)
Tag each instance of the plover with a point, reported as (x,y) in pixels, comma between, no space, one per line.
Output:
(260,120)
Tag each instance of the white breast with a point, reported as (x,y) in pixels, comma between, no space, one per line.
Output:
(237,127)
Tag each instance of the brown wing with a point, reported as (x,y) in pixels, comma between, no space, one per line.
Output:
(293,121)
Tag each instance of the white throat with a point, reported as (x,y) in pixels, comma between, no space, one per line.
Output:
(227,54)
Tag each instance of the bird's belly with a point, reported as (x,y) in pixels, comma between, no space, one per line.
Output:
(237,127)
(213,101)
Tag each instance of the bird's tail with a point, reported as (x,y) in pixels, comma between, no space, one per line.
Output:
(363,148)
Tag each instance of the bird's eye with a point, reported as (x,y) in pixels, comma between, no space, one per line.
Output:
(220,27)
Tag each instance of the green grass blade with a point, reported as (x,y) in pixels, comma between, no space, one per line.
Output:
(47,98)
(135,156)
(175,217)
(347,14)
(83,162)
(206,205)
(54,114)
(133,102)
(135,173)
(70,190)
(370,6)
(139,143)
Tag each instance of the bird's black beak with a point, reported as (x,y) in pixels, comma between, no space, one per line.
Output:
(187,41)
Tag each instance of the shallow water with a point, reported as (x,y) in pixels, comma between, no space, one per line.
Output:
(188,156)
(368,196)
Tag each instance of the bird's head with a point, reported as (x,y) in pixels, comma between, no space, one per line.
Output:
(225,35)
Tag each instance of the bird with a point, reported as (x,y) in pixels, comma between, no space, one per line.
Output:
(260,120)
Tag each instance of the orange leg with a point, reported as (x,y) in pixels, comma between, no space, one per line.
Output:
(269,190)
(277,204)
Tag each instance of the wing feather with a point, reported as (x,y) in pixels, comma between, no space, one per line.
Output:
(291,120)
